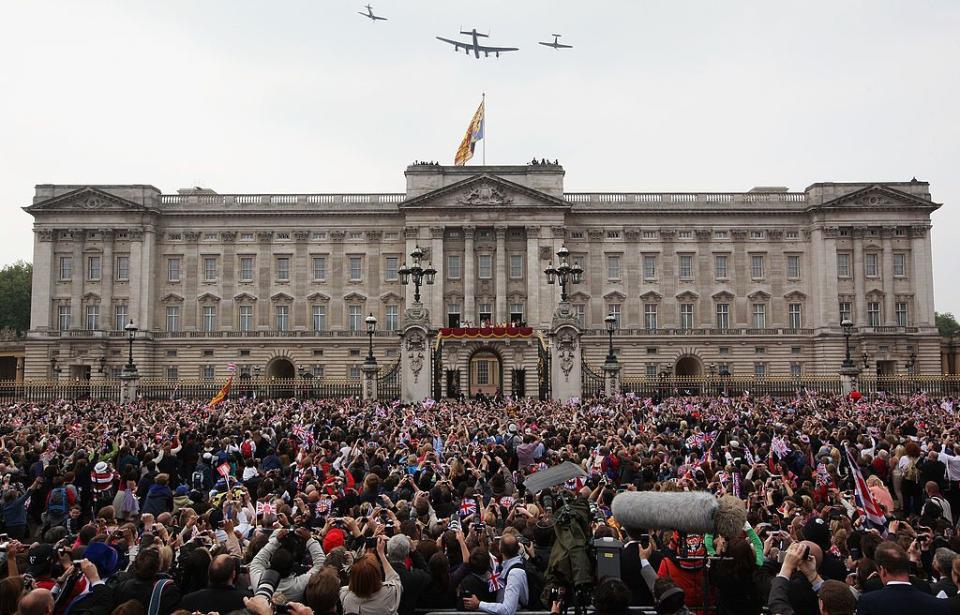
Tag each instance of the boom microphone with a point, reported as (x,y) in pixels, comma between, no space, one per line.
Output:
(693,512)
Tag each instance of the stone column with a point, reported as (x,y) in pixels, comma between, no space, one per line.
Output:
(859,276)
(500,313)
(107,276)
(889,296)
(128,386)
(148,273)
(922,276)
(138,280)
(46,271)
(436,259)
(301,271)
(191,275)
(532,309)
(227,319)
(469,277)
(336,273)
(78,275)
(416,355)
(566,373)
(848,379)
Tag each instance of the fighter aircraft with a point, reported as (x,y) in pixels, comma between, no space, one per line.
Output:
(475,46)
(369,14)
(556,44)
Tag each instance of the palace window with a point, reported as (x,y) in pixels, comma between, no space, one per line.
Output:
(246,268)
(759,369)
(899,264)
(453,314)
(93,268)
(686,266)
(649,267)
(516,266)
(355,318)
(484,266)
(845,311)
(516,313)
(66,267)
(245,322)
(794,316)
(484,313)
(390,267)
(283,268)
(756,266)
(173,318)
(873,313)
(686,315)
(720,266)
(614,309)
(92,317)
(649,315)
(453,267)
(282,314)
(209,269)
(759,315)
(173,269)
(581,311)
(63,317)
(391,317)
(613,266)
(796,369)
(319,318)
(649,234)
(870,265)
(843,264)
(902,319)
(123,268)
(209,318)
(120,316)
(319,268)
(793,266)
(723,315)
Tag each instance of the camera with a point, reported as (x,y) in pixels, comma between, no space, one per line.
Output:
(266,588)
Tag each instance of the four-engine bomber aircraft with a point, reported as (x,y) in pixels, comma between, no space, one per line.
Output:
(556,43)
(475,46)
(369,15)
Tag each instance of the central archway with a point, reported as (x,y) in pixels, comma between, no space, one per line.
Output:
(688,365)
(485,373)
(281,369)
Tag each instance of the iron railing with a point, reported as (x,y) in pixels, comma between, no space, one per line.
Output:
(388,382)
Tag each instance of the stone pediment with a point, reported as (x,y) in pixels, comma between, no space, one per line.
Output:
(87,199)
(207,297)
(879,197)
(318,297)
(759,295)
(485,191)
(281,296)
(390,297)
(244,297)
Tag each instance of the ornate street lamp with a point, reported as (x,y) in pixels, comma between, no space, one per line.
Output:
(866,360)
(611,322)
(131,330)
(371,321)
(417,273)
(847,326)
(564,273)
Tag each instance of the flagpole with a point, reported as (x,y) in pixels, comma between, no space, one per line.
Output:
(484,103)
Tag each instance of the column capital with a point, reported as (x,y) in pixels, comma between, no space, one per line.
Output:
(469,231)
(374,235)
(559,232)
(228,236)
(195,236)
(436,232)
(533,231)
(411,232)
(45,234)
(501,230)
(919,230)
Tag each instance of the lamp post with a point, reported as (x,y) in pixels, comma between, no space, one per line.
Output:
(369,367)
(564,273)
(417,273)
(371,321)
(131,330)
(847,326)
(611,322)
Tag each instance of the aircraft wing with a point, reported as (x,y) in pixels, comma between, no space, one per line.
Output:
(562,46)
(495,49)
(457,44)
(376,17)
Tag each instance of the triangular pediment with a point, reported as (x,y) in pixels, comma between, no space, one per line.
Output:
(208,297)
(318,297)
(244,297)
(759,295)
(579,297)
(687,295)
(879,197)
(86,199)
(651,296)
(485,191)
(722,295)
(390,298)
(281,296)
(354,297)
(171,298)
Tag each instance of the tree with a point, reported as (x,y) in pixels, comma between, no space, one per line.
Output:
(15,286)
(947,324)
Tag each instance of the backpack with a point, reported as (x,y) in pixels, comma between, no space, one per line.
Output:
(246,449)
(911,472)
(156,595)
(536,583)
(57,505)
(196,480)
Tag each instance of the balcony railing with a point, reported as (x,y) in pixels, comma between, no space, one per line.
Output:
(242,200)
(707,198)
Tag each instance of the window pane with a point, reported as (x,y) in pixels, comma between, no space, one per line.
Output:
(843,265)
(794,315)
(283,268)
(613,267)
(390,268)
(93,315)
(870,264)
(391,313)
(899,264)
(173,318)
(720,265)
(723,315)
(759,315)
(484,264)
(209,269)
(453,267)
(120,316)
(686,315)
(793,266)
(319,318)
(356,268)
(246,268)
(686,267)
(93,267)
(173,269)
(66,267)
(649,267)
(650,316)
(63,317)
(246,317)
(123,268)
(756,266)
(614,308)
(516,266)
(355,318)
(282,317)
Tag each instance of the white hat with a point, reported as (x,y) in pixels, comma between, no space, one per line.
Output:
(512,428)
(101,467)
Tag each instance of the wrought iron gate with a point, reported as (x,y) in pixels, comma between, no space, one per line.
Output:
(388,382)
(438,370)
(543,370)
(593,383)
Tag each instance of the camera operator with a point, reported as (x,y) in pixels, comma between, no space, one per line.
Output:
(275,556)
(514,593)
(221,594)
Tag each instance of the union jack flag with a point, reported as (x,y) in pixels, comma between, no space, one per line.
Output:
(697,439)
(468,507)
(870,507)
(264,508)
(494,584)
(323,506)
(823,476)
(507,501)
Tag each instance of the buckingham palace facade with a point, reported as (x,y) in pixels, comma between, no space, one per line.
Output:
(755,282)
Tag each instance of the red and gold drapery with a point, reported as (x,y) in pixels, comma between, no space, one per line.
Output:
(485,332)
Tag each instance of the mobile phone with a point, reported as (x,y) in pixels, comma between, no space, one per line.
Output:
(645,540)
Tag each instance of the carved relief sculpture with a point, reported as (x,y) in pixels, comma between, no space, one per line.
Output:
(566,350)
(416,347)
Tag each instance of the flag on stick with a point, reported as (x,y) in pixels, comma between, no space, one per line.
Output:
(870,507)
(474,134)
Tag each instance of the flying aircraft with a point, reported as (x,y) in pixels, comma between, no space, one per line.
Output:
(369,14)
(475,46)
(556,43)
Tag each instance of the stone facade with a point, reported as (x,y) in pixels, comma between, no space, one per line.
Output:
(280,284)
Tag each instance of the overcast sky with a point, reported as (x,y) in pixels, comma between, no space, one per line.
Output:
(308,96)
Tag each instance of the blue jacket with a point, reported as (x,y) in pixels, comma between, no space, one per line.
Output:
(15,512)
(159,500)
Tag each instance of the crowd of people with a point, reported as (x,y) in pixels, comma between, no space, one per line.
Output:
(345,507)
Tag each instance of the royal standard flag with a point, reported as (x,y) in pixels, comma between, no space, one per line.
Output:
(469,143)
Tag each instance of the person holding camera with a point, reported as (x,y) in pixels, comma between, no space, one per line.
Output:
(367,593)
(514,591)
(222,594)
(278,557)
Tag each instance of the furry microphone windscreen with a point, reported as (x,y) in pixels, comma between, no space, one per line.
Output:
(686,511)
(730,517)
